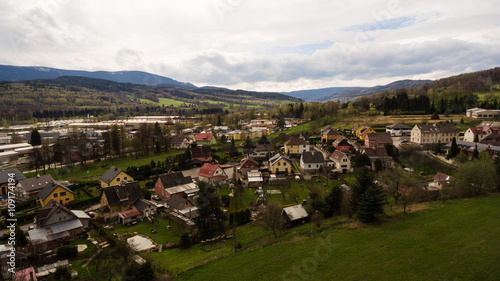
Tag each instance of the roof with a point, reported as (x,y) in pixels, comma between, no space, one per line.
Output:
(255,176)
(27,274)
(296,212)
(364,130)
(312,157)
(442,177)
(248,163)
(50,187)
(379,137)
(35,183)
(130,213)
(177,202)
(264,147)
(80,214)
(330,132)
(492,139)
(376,152)
(490,124)
(123,194)
(110,174)
(44,213)
(201,151)
(437,128)
(470,146)
(482,130)
(208,170)
(142,204)
(399,126)
(204,137)
(341,141)
(191,212)
(4,175)
(278,157)
(296,141)
(337,155)
(174,179)
(178,139)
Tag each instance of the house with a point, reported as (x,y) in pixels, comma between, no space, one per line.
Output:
(434,133)
(179,142)
(57,192)
(356,129)
(258,132)
(175,184)
(145,207)
(205,139)
(295,214)
(479,113)
(177,203)
(28,188)
(212,173)
(296,146)
(118,198)
(398,130)
(341,163)
(361,134)
(479,133)
(201,155)
(5,177)
(311,161)
(279,164)
(247,164)
(377,140)
(237,135)
(114,176)
(55,224)
(381,154)
(493,150)
(254,179)
(330,135)
(27,274)
(343,144)
(263,151)
(129,216)
(440,180)
(493,139)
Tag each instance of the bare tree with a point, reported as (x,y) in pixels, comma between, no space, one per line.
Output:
(273,217)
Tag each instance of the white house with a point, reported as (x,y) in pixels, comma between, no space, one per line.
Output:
(340,162)
(311,161)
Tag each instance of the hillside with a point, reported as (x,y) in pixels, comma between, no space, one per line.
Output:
(21,73)
(79,96)
(454,240)
(311,95)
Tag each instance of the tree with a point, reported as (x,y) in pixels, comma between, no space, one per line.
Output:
(273,217)
(378,165)
(263,140)
(462,157)
(210,221)
(475,178)
(35,138)
(437,148)
(185,241)
(362,160)
(370,204)
(475,153)
(115,139)
(15,138)
(317,218)
(62,274)
(407,195)
(364,180)
(435,116)
(5,124)
(333,200)
(20,240)
(454,148)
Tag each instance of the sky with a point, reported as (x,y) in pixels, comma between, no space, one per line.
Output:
(256,45)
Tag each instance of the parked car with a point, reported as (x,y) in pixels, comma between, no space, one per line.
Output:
(156,197)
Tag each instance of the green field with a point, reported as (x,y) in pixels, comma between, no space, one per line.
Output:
(166,102)
(488,95)
(455,240)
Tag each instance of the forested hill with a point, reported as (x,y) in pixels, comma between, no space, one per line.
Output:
(78,96)
(453,94)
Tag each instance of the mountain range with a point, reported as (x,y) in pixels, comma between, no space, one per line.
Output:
(22,73)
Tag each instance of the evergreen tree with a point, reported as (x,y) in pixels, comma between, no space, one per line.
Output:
(35,138)
(475,153)
(371,203)
(364,180)
(211,219)
(378,165)
(454,148)
(435,116)
(333,200)
(185,241)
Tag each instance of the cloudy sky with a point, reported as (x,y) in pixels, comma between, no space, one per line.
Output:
(261,45)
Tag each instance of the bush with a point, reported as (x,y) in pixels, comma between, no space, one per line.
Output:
(185,241)
(226,200)
(67,252)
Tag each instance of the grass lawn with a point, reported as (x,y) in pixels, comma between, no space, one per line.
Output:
(455,240)
(162,236)
(488,95)
(167,102)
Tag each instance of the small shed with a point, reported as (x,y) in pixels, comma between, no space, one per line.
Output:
(295,214)
(129,216)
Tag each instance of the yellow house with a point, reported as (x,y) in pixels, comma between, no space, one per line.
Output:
(296,145)
(279,164)
(114,176)
(56,191)
(119,198)
(329,135)
(365,131)
(237,135)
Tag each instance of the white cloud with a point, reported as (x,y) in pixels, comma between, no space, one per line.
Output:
(263,45)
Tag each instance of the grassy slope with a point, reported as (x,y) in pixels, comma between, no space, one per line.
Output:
(456,240)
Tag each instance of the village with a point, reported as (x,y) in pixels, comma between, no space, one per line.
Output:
(154,209)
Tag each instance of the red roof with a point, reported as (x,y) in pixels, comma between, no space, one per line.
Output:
(248,163)
(208,170)
(204,137)
(130,213)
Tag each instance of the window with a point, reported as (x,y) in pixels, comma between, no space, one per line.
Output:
(309,165)
(62,193)
(279,164)
(117,179)
(55,195)
(124,178)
